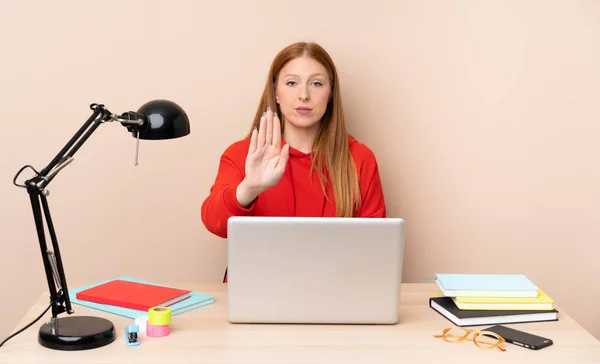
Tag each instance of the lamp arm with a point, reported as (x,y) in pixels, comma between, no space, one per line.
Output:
(99,110)
(100,115)
(36,188)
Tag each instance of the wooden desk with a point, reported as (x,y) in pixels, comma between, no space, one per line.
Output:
(205,336)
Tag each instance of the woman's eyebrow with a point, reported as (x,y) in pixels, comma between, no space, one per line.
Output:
(295,75)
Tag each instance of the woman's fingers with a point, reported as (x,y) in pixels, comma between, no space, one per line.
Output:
(262,132)
(276,130)
(253,141)
(283,158)
(269,136)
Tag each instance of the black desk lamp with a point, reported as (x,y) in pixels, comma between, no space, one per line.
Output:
(158,119)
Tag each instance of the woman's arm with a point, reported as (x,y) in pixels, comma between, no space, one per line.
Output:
(228,196)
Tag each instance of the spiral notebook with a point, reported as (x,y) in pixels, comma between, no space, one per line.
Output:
(195,300)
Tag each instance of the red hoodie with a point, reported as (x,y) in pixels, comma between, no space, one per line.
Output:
(293,195)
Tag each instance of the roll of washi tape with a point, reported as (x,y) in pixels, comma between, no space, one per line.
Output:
(159,316)
(141,322)
(157,330)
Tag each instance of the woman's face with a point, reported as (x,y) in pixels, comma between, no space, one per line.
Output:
(302,92)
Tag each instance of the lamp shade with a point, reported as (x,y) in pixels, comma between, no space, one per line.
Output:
(163,119)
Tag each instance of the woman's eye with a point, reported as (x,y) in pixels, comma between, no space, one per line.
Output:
(317,83)
(290,83)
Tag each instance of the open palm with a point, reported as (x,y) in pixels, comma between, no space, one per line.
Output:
(266,159)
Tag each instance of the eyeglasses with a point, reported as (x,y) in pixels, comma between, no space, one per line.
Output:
(483,339)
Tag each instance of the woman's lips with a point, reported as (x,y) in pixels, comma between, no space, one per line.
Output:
(303,110)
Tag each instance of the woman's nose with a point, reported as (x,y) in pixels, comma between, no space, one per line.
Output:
(303,94)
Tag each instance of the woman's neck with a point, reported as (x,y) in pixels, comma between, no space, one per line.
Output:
(301,139)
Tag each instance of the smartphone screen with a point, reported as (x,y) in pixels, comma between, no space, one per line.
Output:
(521,338)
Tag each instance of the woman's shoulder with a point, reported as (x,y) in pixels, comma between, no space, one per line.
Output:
(361,152)
(238,148)
(236,153)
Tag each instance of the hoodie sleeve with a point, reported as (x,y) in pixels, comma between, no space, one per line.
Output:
(372,202)
(221,202)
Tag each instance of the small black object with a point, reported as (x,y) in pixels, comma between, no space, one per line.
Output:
(520,338)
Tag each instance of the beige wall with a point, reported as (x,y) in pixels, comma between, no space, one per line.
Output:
(484,116)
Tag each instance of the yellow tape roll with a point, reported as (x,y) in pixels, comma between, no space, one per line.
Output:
(159,316)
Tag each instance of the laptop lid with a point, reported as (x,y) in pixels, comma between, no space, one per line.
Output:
(314,270)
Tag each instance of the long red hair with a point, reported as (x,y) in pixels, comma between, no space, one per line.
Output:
(332,159)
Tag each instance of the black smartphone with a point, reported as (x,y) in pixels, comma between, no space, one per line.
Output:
(521,338)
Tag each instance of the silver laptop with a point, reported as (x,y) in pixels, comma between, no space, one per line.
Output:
(314,270)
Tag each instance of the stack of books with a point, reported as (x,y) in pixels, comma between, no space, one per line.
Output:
(130,297)
(484,299)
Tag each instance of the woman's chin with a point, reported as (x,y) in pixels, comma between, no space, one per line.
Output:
(303,124)
(303,121)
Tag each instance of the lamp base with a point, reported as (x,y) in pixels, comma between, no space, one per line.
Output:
(77,333)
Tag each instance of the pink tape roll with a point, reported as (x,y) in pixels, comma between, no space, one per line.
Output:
(157,330)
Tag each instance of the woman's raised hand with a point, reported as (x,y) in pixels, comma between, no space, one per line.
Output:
(266,159)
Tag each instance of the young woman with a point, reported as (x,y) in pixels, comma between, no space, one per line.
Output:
(298,159)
